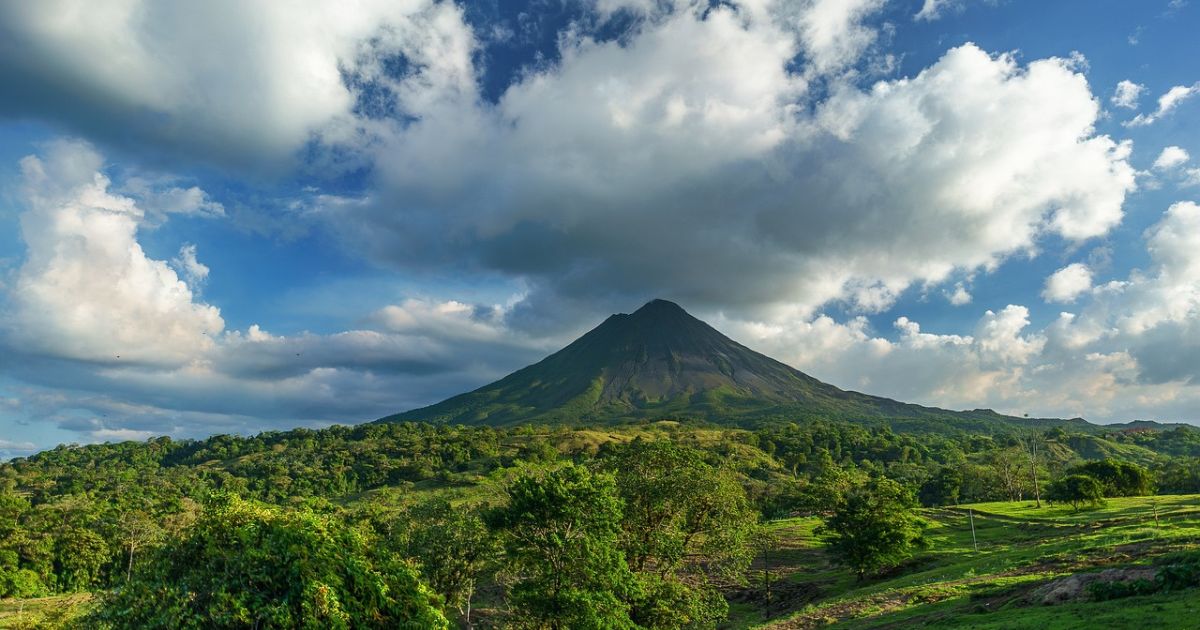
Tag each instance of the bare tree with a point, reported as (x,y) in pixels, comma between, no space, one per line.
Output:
(1030,444)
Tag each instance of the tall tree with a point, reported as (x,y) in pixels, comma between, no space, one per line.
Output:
(942,488)
(561,530)
(684,519)
(453,548)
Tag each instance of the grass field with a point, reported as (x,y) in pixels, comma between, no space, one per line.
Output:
(44,612)
(951,585)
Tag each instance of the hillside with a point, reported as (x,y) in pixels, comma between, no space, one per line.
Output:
(661,362)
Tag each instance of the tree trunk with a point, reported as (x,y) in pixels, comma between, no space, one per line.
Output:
(1037,493)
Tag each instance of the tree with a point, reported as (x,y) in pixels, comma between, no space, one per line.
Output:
(1077,490)
(873,527)
(79,554)
(1119,479)
(683,519)
(560,530)
(1031,445)
(452,547)
(136,529)
(246,565)
(942,488)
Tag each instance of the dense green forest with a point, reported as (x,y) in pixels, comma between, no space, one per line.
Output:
(416,525)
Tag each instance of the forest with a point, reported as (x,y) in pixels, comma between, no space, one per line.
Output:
(644,525)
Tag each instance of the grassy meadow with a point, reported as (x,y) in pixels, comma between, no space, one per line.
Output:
(951,585)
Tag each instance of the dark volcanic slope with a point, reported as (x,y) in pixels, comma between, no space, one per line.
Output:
(660,362)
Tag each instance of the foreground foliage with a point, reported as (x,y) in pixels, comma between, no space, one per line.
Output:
(250,566)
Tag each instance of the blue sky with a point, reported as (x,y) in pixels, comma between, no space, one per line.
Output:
(233,218)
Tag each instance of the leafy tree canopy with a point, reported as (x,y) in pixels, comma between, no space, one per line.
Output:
(244,565)
(873,527)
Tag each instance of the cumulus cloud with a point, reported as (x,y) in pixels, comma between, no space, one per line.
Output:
(1167,103)
(241,83)
(692,140)
(691,157)
(1068,283)
(625,175)
(1127,94)
(161,197)
(1191,177)
(959,296)
(1170,158)
(932,9)
(192,269)
(117,345)
(833,32)
(87,290)
(1127,353)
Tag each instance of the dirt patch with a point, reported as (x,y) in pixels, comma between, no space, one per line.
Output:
(1074,587)
(786,597)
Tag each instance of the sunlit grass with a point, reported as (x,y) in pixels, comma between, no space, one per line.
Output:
(1020,547)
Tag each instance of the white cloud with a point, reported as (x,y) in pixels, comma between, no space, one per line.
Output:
(1191,177)
(662,147)
(1068,283)
(692,133)
(1128,353)
(161,197)
(933,10)
(87,290)
(1167,103)
(833,33)
(1127,94)
(1170,157)
(195,271)
(115,345)
(960,296)
(246,83)
(688,159)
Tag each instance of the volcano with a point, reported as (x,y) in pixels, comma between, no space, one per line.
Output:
(662,363)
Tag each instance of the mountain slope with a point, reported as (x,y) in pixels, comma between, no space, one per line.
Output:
(660,362)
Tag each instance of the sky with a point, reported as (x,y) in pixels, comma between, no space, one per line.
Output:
(236,217)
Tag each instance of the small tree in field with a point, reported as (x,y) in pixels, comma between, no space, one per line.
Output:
(873,527)
(1077,490)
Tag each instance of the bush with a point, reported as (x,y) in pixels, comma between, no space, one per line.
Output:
(1179,572)
(1077,490)
(21,584)
(1102,591)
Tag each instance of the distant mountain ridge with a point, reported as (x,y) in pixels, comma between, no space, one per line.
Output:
(662,363)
